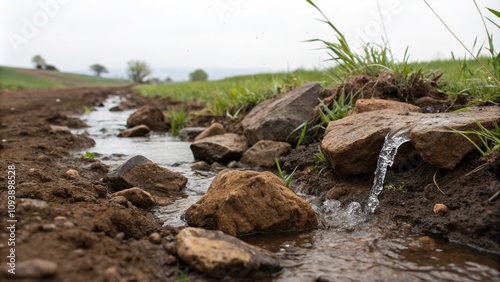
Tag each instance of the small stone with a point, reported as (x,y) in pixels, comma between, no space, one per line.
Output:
(120,200)
(72,173)
(138,197)
(120,236)
(59,129)
(49,227)
(155,238)
(68,224)
(59,220)
(79,252)
(233,164)
(170,259)
(36,269)
(32,170)
(201,166)
(33,206)
(112,274)
(440,208)
(169,247)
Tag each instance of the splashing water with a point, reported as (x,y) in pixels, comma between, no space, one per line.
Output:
(393,140)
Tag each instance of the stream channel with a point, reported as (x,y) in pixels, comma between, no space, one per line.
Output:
(350,246)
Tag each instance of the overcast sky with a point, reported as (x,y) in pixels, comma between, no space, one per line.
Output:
(234,35)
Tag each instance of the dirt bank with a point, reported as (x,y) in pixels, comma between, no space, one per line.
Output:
(88,237)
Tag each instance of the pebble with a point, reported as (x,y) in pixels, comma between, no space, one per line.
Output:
(440,208)
(120,236)
(155,238)
(170,259)
(79,252)
(36,268)
(49,227)
(73,173)
(34,206)
(68,224)
(120,200)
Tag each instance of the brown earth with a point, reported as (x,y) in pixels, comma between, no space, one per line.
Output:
(101,241)
(95,240)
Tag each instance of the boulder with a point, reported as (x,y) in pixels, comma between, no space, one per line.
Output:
(370,105)
(219,148)
(136,131)
(137,196)
(243,202)
(152,117)
(277,118)
(264,152)
(189,133)
(214,129)
(352,144)
(220,255)
(141,172)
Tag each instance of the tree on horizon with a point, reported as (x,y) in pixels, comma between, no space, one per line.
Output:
(198,75)
(39,62)
(138,71)
(98,69)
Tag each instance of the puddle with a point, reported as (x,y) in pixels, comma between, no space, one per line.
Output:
(349,247)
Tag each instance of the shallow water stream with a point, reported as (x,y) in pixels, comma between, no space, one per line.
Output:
(349,246)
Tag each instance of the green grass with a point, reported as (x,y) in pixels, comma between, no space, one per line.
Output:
(234,95)
(18,78)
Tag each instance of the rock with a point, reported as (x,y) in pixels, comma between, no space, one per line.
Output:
(277,118)
(243,202)
(201,166)
(352,144)
(36,269)
(370,105)
(141,172)
(155,238)
(136,131)
(440,209)
(73,173)
(59,129)
(219,148)
(214,129)
(220,255)
(137,196)
(264,152)
(33,206)
(152,117)
(124,105)
(189,133)
(119,200)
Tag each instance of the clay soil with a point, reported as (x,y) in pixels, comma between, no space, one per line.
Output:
(92,239)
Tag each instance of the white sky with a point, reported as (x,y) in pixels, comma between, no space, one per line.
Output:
(225,34)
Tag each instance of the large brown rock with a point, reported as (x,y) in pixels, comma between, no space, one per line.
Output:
(221,148)
(141,172)
(352,144)
(220,255)
(152,117)
(277,118)
(264,152)
(242,202)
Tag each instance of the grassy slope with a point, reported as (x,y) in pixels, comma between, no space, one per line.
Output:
(17,78)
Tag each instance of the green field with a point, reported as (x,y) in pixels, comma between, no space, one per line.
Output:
(18,78)
(235,94)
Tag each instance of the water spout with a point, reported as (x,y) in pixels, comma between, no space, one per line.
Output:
(393,140)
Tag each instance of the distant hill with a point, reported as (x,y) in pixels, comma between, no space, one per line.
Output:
(20,78)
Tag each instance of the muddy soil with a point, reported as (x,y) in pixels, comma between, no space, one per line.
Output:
(81,230)
(92,239)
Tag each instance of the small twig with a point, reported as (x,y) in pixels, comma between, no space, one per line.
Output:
(492,198)
(435,183)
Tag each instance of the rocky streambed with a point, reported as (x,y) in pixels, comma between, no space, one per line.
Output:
(308,234)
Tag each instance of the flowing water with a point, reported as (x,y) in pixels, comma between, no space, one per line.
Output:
(350,245)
